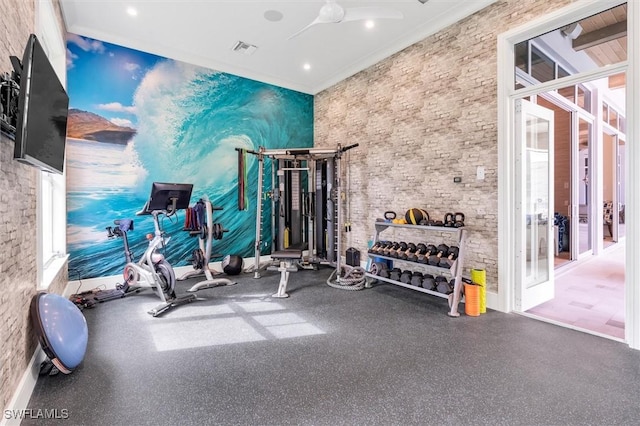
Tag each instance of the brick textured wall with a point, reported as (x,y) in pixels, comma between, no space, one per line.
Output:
(18,231)
(422,117)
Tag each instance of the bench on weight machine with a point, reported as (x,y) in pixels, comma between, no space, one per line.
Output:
(287,259)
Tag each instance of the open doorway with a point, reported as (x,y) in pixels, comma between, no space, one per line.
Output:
(589,277)
(589,172)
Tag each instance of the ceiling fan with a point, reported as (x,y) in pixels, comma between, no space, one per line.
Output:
(332,13)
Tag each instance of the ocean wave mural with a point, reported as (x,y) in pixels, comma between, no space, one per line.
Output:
(136,119)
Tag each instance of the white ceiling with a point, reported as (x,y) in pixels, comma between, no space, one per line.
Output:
(203,32)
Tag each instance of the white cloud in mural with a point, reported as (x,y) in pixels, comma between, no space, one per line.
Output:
(121,122)
(117,107)
(130,66)
(86,44)
(70,57)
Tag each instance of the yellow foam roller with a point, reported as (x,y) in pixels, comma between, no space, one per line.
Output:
(479,276)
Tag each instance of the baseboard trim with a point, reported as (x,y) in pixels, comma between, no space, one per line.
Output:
(23,392)
(493,302)
(110,282)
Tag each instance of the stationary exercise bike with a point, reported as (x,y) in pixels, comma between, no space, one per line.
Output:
(153,270)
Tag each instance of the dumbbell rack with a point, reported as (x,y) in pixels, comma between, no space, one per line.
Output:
(455,271)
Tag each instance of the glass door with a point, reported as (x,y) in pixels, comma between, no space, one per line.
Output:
(620,223)
(582,224)
(610,190)
(534,225)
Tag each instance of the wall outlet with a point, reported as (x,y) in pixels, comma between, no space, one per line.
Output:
(480,173)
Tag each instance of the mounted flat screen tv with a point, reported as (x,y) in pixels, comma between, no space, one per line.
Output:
(43,106)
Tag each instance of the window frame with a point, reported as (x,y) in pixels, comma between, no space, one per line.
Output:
(51,210)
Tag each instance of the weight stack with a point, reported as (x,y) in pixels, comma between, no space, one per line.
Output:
(353,256)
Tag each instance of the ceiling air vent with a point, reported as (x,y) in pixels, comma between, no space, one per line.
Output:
(244,48)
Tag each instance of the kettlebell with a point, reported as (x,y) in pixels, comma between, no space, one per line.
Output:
(449,220)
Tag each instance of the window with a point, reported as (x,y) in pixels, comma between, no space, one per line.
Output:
(522,56)
(52,211)
(532,61)
(51,191)
(542,67)
(584,98)
(52,218)
(562,72)
(569,93)
(613,118)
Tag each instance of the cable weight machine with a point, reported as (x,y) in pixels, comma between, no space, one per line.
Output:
(306,207)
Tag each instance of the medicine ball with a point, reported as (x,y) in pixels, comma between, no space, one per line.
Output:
(415,216)
(232,264)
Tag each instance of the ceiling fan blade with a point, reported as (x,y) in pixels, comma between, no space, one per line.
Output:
(364,13)
(315,22)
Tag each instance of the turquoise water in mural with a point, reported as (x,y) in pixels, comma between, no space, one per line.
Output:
(189,121)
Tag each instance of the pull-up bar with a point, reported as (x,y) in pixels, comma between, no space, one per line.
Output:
(295,152)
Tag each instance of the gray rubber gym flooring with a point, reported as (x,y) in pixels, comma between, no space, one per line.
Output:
(381,356)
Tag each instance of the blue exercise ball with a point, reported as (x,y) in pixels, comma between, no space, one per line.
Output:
(61,328)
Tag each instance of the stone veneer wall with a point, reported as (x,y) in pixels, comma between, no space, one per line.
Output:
(422,117)
(18,230)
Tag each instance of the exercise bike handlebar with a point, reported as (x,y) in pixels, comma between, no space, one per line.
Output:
(168,212)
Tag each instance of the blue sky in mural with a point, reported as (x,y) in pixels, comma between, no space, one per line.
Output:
(188,122)
(91,63)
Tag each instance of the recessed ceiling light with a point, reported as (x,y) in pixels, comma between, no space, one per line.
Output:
(307,66)
(132,11)
(369,24)
(273,15)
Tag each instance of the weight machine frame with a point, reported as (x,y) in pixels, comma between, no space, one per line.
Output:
(333,192)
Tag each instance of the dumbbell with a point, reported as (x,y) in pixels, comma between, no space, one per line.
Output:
(431,250)
(389,248)
(384,251)
(395,274)
(405,277)
(416,279)
(384,273)
(381,247)
(374,248)
(402,247)
(428,282)
(441,251)
(421,249)
(443,286)
(411,248)
(452,255)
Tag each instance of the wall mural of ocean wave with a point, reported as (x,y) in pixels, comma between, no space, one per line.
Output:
(136,119)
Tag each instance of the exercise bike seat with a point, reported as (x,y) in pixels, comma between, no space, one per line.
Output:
(125,225)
